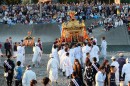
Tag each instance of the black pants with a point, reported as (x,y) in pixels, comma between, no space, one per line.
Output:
(18,82)
(8,51)
(9,79)
(89,83)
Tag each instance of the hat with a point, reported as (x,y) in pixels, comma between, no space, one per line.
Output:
(113,57)
(121,54)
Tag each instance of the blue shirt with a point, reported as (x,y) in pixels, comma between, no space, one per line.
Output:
(18,71)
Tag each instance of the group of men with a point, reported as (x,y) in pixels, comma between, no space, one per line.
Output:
(115,74)
(64,57)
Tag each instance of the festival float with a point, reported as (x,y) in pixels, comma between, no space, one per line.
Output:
(73,30)
(29,40)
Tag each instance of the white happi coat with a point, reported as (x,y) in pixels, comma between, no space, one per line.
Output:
(104,48)
(100,78)
(116,64)
(62,59)
(23,51)
(67,66)
(126,70)
(55,54)
(94,53)
(52,69)
(27,77)
(36,54)
(85,50)
(19,55)
(78,53)
(71,55)
(60,53)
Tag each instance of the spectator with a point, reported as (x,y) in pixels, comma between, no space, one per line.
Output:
(121,60)
(77,68)
(75,81)
(9,70)
(18,74)
(111,76)
(33,82)
(116,64)
(100,76)
(46,81)
(7,47)
(89,75)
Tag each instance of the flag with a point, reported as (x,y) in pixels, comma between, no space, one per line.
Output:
(117,1)
(44,1)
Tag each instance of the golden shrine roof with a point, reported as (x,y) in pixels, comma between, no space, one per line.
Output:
(73,24)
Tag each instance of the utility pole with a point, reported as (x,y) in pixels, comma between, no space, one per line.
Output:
(40,9)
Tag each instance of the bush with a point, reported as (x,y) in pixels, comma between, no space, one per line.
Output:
(125,1)
(11,2)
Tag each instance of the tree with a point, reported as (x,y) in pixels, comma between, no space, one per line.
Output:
(12,2)
(125,1)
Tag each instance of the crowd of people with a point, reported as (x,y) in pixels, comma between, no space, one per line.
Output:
(78,62)
(56,12)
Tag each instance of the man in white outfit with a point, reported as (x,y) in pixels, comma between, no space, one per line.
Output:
(100,76)
(52,69)
(126,71)
(28,76)
(103,48)
(84,51)
(78,52)
(36,54)
(72,53)
(67,65)
(55,53)
(20,54)
(94,52)
(116,64)
(62,59)
(60,52)
(23,51)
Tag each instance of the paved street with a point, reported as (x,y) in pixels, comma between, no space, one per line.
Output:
(41,71)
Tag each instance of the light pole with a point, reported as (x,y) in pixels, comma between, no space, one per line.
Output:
(40,9)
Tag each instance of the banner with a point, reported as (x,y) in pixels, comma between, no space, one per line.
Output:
(117,1)
(44,1)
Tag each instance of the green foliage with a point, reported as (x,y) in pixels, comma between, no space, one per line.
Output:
(12,2)
(35,1)
(125,1)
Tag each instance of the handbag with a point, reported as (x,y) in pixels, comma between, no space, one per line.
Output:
(6,74)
